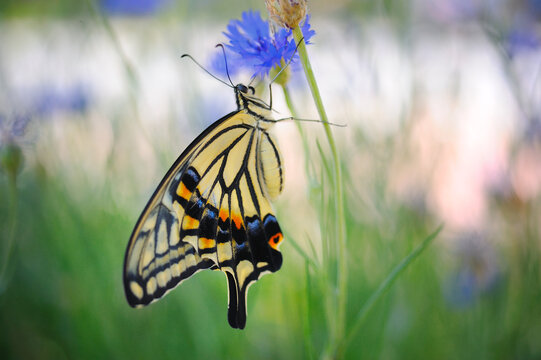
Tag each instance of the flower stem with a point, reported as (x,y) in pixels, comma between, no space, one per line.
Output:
(12,224)
(324,275)
(342,269)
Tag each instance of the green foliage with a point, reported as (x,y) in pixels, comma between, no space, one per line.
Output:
(65,299)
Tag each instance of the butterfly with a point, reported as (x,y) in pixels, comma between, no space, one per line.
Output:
(212,210)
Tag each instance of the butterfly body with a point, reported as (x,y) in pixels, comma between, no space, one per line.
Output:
(212,211)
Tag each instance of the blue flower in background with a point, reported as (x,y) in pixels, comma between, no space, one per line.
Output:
(478,272)
(532,131)
(132,7)
(13,128)
(461,289)
(48,100)
(534,7)
(451,11)
(523,37)
(252,46)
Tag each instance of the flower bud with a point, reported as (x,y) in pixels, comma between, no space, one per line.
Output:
(11,159)
(287,13)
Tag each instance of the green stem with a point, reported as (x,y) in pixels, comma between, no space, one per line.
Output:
(307,328)
(342,268)
(12,223)
(386,285)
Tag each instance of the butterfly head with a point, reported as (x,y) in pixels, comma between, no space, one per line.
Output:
(245,89)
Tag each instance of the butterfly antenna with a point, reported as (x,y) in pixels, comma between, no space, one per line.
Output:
(288,62)
(251,81)
(283,68)
(226,67)
(205,70)
(310,120)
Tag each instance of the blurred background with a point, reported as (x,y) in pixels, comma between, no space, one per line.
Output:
(442,101)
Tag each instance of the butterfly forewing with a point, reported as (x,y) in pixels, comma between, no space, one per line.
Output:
(211,210)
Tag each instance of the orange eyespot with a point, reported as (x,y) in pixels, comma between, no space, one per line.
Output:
(275,240)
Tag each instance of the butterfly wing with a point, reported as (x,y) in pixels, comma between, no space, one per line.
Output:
(210,211)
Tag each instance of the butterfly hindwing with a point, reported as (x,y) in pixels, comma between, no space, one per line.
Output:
(211,211)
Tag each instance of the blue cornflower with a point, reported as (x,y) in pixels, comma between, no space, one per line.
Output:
(252,46)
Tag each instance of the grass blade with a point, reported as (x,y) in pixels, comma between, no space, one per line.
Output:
(386,285)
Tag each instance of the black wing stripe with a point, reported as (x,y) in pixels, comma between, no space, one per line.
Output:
(220,133)
(223,154)
(244,166)
(258,170)
(251,188)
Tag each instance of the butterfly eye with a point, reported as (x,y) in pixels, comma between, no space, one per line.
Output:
(242,88)
(252,89)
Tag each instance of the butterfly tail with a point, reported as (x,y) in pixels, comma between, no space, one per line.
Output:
(236,314)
